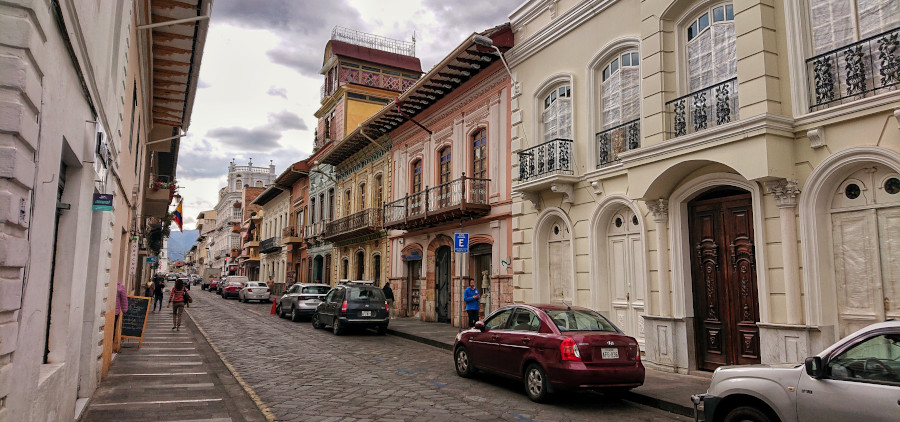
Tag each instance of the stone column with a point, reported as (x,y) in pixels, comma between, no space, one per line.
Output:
(660,210)
(786,192)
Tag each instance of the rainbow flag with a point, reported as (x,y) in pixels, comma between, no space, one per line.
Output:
(177,215)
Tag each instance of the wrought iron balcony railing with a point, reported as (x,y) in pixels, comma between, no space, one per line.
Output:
(315,230)
(550,158)
(708,107)
(364,222)
(615,140)
(272,244)
(862,69)
(465,196)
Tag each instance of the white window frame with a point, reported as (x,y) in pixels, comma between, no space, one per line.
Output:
(594,68)
(685,22)
(553,82)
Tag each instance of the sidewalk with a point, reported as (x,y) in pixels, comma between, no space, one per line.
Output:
(662,390)
(175,375)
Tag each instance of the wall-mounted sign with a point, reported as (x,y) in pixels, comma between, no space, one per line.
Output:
(413,255)
(461,242)
(150,260)
(102,202)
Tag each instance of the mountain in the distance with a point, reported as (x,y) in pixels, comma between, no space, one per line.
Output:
(180,243)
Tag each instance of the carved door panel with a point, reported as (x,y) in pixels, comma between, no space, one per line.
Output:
(726,307)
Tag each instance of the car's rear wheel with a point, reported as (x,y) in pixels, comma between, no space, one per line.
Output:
(464,366)
(295,315)
(536,384)
(315,322)
(337,327)
(747,414)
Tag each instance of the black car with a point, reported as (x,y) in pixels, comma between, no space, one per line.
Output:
(352,305)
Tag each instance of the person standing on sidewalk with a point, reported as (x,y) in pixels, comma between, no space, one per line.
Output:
(158,290)
(121,308)
(176,297)
(389,295)
(471,296)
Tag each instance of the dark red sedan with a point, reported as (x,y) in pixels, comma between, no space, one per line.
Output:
(550,348)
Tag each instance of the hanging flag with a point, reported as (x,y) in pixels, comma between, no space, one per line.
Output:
(177,215)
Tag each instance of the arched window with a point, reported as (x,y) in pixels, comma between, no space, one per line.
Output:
(416,177)
(345,267)
(836,23)
(259,183)
(376,269)
(557,114)
(479,154)
(362,196)
(444,175)
(237,184)
(711,47)
(312,211)
(347,199)
(379,191)
(620,90)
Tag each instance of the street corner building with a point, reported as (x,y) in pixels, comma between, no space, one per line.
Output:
(721,179)
(96,98)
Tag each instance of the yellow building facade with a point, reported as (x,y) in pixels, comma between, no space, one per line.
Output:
(720,179)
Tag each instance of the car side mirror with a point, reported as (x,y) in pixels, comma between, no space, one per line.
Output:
(479,325)
(814,367)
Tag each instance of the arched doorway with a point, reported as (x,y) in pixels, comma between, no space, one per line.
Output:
(865,228)
(318,268)
(723,273)
(442,283)
(360,265)
(559,263)
(625,271)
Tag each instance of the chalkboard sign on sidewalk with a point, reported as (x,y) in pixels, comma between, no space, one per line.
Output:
(135,319)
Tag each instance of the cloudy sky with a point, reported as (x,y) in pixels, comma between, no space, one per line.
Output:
(259,81)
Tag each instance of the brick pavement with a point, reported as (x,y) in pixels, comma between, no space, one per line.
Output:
(175,375)
(303,374)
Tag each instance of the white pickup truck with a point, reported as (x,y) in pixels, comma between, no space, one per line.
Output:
(856,379)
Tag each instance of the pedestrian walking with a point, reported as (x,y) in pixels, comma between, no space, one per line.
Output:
(389,295)
(148,288)
(159,288)
(472,306)
(121,308)
(177,302)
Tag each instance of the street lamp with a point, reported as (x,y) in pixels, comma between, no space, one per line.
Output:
(488,42)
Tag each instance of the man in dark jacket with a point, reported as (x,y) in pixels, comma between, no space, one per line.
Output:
(389,295)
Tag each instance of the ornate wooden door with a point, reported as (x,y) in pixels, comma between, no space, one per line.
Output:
(726,307)
(625,269)
(442,283)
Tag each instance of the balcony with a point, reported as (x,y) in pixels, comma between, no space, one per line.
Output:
(709,107)
(290,235)
(362,223)
(313,232)
(235,228)
(272,244)
(615,140)
(547,166)
(252,243)
(158,195)
(463,197)
(862,69)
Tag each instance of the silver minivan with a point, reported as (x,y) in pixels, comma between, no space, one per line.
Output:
(300,300)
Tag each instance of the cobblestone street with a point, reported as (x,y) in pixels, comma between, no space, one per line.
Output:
(303,374)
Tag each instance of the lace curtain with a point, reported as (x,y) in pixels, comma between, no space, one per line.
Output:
(620,97)
(558,119)
(835,22)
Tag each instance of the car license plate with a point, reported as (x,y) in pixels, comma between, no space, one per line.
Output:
(609,353)
(365,313)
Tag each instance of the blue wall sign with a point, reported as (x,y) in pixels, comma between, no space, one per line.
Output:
(461,242)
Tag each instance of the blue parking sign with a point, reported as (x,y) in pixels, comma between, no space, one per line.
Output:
(461,242)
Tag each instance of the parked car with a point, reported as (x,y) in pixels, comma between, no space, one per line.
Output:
(172,277)
(353,305)
(856,379)
(195,279)
(214,285)
(301,300)
(186,281)
(232,289)
(254,290)
(550,348)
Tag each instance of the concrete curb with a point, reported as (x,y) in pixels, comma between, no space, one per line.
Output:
(631,396)
(249,390)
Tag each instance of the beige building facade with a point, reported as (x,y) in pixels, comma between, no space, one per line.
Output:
(720,179)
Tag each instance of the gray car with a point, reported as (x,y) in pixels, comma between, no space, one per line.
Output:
(300,300)
(856,379)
